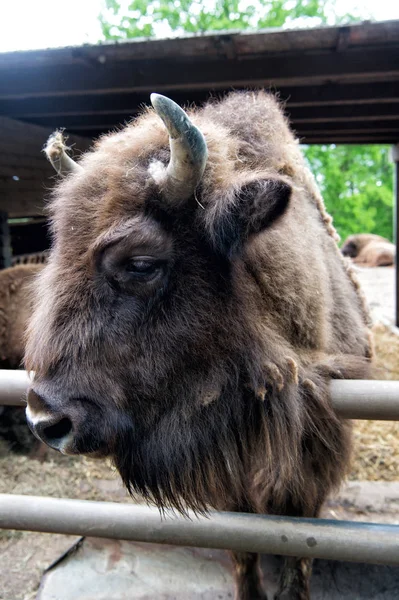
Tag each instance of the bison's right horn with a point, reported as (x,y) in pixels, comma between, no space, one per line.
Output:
(55,150)
(188,151)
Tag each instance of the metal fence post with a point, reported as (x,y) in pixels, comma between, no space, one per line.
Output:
(5,241)
(395,158)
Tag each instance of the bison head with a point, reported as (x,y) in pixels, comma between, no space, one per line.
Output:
(145,341)
(355,244)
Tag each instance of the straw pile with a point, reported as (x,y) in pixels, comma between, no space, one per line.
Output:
(376,443)
(58,476)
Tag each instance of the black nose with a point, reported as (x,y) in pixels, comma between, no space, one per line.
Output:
(51,425)
(69,423)
(53,432)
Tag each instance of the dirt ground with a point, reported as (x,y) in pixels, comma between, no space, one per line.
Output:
(24,555)
(376,443)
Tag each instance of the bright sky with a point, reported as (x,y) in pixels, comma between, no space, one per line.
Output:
(28,24)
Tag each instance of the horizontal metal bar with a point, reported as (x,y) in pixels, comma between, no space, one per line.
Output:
(13,386)
(313,538)
(366,399)
(353,399)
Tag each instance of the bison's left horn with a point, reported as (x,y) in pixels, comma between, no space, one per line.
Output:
(188,151)
(55,150)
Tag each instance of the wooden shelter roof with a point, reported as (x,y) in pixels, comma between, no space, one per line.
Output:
(340,84)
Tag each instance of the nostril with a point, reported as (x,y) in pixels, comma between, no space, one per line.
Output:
(57,431)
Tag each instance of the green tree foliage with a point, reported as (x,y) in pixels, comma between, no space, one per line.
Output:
(149,18)
(357,186)
(356,181)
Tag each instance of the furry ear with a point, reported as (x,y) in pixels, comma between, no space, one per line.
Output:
(246,211)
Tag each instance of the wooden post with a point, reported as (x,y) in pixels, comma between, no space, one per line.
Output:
(5,241)
(395,157)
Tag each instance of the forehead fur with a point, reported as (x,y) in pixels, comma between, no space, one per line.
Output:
(246,134)
(115,181)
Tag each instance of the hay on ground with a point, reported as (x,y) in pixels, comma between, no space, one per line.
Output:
(376,443)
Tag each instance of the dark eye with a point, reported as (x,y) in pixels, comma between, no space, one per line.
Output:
(132,273)
(143,267)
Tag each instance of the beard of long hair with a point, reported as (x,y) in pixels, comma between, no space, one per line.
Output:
(242,451)
(193,461)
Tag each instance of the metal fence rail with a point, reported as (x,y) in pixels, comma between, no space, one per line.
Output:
(364,399)
(313,538)
(353,399)
(13,386)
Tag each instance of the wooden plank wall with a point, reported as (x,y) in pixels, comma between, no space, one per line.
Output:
(25,174)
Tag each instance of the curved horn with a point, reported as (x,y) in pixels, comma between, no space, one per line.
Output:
(55,152)
(188,151)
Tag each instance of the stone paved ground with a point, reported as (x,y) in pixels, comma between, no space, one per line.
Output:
(378,284)
(105,569)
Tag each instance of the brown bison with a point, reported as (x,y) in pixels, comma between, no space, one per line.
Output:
(15,310)
(369,250)
(193,312)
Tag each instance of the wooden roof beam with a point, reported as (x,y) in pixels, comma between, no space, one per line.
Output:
(275,70)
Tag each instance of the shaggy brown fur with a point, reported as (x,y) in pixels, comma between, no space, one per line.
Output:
(369,250)
(208,381)
(15,310)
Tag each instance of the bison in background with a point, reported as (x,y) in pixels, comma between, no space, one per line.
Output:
(369,250)
(193,312)
(15,310)
(16,298)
